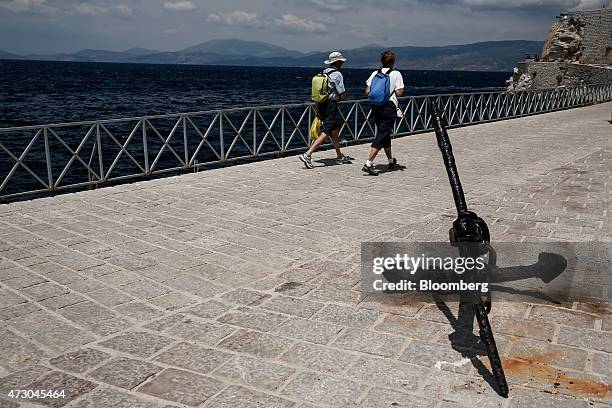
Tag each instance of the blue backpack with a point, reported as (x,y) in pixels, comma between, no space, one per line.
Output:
(380,88)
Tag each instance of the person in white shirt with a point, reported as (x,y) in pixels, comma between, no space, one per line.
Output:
(384,115)
(328,112)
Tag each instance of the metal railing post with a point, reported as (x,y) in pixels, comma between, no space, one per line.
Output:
(356,121)
(282,131)
(255,130)
(185,141)
(145,148)
(100,159)
(412,124)
(48,158)
(221,141)
(309,142)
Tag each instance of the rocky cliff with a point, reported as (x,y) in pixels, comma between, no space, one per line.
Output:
(564,42)
(577,51)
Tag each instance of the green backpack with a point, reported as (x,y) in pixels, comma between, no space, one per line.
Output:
(320,88)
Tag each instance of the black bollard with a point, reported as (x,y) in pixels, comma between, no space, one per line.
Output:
(469,228)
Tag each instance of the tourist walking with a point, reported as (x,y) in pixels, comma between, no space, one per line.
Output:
(383,87)
(328,90)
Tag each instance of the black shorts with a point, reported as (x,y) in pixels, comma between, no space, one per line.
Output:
(384,117)
(330,116)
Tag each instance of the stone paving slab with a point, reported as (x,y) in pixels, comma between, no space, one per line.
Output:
(240,286)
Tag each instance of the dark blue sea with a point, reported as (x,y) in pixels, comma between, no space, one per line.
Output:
(41,92)
(37,93)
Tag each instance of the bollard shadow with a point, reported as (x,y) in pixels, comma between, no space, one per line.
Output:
(463,340)
(529,293)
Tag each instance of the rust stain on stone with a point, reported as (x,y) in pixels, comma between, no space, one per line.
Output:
(586,387)
(534,369)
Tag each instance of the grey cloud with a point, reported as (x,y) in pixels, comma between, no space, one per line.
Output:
(287,22)
(345,5)
(592,4)
(49,26)
(331,5)
(89,9)
(527,4)
(27,6)
(123,9)
(179,6)
(84,8)
(237,18)
(96,10)
(295,23)
(328,19)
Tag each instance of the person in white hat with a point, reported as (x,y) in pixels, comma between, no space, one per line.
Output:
(328,111)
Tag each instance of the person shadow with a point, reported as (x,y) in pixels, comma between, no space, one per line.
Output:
(383,168)
(330,162)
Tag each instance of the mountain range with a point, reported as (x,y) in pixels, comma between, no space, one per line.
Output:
(481,56)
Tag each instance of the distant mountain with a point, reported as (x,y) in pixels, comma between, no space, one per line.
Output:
(241,48)
(101,55)
(370,46)
(141,51)
(192,58)
(52,57)
(91,55)
(8,55)
(482,56)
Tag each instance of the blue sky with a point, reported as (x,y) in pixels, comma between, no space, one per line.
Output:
(52,26)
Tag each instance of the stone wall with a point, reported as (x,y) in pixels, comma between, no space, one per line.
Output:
(538,75)
(596,36)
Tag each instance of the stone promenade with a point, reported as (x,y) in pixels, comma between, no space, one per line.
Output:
(240,287)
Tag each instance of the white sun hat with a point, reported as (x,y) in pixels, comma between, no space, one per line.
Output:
(333,57)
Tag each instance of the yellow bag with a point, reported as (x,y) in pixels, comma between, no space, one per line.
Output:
(315,128)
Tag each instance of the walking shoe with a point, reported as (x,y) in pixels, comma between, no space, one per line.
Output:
(344,160)
(370,170)
(392,164)
(306,160)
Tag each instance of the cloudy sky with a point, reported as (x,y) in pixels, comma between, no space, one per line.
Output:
(51,26)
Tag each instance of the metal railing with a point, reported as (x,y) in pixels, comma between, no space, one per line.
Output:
(55,157)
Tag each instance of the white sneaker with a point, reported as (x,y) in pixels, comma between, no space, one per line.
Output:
(306,160)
